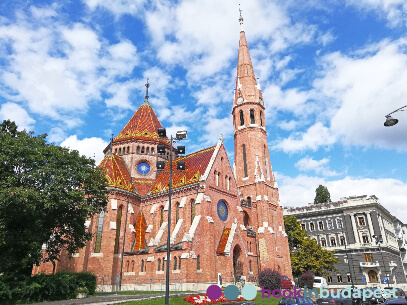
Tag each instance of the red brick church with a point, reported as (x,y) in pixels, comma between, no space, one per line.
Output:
(226,221)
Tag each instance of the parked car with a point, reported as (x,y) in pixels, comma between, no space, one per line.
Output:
(286,283)
(402,301)
(296,301)
(320,282)
(332,299)
(399,293)
(373,299)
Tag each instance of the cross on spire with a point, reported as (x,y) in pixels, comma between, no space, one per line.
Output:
(241,20)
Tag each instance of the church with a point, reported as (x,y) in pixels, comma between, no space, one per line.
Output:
(226,221)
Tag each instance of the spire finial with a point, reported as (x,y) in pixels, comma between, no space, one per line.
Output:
(146,99)
(111,146)
(241,20)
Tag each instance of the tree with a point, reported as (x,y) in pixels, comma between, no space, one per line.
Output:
(322,195)
(306,254)
(46,194)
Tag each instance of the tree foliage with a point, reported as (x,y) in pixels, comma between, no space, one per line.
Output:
(306,254)
(270,279)
(307,278)
(46,194)
(322,195)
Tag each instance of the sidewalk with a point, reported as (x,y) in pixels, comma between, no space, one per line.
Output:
(113,299)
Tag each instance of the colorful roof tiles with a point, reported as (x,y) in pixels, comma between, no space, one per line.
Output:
(195,166)
(116,172)
(223,241)
(143,185)
(143,124)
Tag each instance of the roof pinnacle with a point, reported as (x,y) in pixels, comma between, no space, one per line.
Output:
(146,98)
(110,153)
(241,20)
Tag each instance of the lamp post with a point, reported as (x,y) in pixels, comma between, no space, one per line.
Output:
(346,252)
(379,240)
(180,135)
(391,121)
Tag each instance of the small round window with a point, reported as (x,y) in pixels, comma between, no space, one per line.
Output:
(222,211)
(143,168)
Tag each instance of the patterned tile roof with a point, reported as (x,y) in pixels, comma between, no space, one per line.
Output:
(223,241)
(143,185)
(195,166)
(116,172)
(143,125)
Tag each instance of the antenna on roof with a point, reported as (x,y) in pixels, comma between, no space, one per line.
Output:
(241,20)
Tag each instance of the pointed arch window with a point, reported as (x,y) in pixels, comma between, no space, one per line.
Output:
(128,149)
(138,149)
(175,263)
(198,263)
(118,226)
(142,265)
(142,149)
(244,160)
(261,118)
(98,242)
(161,215)
(148,150)
(132,266)
(127,266)
(179,262)
(163,264)
(241,117)
(192,211)
(250,266)
(177,214)
(252,119)
(159,264)
(120,151)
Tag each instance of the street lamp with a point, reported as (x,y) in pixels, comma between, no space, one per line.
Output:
(180,135)
(379,240)
(392,121)
(346,251)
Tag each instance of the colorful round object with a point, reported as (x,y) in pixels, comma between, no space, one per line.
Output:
(222,211)
(143,168)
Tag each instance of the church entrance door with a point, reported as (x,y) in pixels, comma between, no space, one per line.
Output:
(237,263)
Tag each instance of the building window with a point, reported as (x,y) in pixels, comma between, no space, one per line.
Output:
(365,238)
(128,149)
(321,225)
(388,256)
(98,242)
(250,266)
(132,266)
(303,226)
(138,149)
(120,151)
(342,240)
(159,264)
(339,278)
(241,118)
(249,201)
(368,257)
(179,260)
(339,223)
(372,276)
(118,225)
(163,264)
(142,149)
(177,214)
(148,150)
(312,226)
(348,278)
(329,278)
(161,215)
(250,244)
(345,259)
(192,211)
(227,183)
(216,179)
(152,150)
(142,265)
(175,263)
(252,120)
(127,266)
(323,242)
(361,220)
(333,242)
(261,118)
(244,160)
(198,263)
(330,224)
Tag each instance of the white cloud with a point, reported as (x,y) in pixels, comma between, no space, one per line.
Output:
(16,113)
(300,190)
(117,7)
(89,147)
(56,135)
(318,166)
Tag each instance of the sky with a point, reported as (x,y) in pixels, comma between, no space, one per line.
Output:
(329,70)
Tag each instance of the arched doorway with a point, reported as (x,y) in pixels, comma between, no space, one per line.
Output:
(237,262)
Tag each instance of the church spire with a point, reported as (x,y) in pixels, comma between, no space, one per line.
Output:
(146,98)
(246,84)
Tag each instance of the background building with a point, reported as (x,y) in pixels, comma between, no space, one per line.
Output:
(353,223)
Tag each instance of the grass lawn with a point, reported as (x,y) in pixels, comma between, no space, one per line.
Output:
(133,293)
(180,301)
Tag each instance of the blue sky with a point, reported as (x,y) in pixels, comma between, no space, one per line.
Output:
(329,71)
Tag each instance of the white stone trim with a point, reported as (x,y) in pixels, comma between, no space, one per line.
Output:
(131,227)
(167,204)
(129,273)
(185,255)
(258,198)
(165,258)
(113,225)
(192,253)
(239,208)
(87,224)
(183,202)
(265,224)
(149,228)
(207,198)
(75,255)
(215,153)
(160,233)
(150,259)
(199,198)
(153,208)
(230,239)
(159,272)
(113,204)
(260,230)
(190,235)
(130,209)
(243,227)
(176,271)
(141,273)
(245,178)
(96,254)
(271,230)
(266,197)
(210,219)
(176,230)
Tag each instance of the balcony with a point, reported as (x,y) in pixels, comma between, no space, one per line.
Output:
(393,264)
(369,264)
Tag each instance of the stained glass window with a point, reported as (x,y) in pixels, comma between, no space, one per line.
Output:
(177,214)
(244,160)
(98,242)
(198,263)
(192,211)
(222,211)
(118,225)
(252,120)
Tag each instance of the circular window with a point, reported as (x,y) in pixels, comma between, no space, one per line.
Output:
(222,211)
(143,168)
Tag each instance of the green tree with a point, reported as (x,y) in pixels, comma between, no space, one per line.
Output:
(322,195)
(306,254)
(46,194)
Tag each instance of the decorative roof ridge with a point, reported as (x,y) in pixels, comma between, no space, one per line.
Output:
(209,167)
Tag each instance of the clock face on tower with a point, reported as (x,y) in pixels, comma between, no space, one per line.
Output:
(222,211)
(143,168)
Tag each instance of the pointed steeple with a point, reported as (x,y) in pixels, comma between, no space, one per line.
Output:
(146,98)
(247,87)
